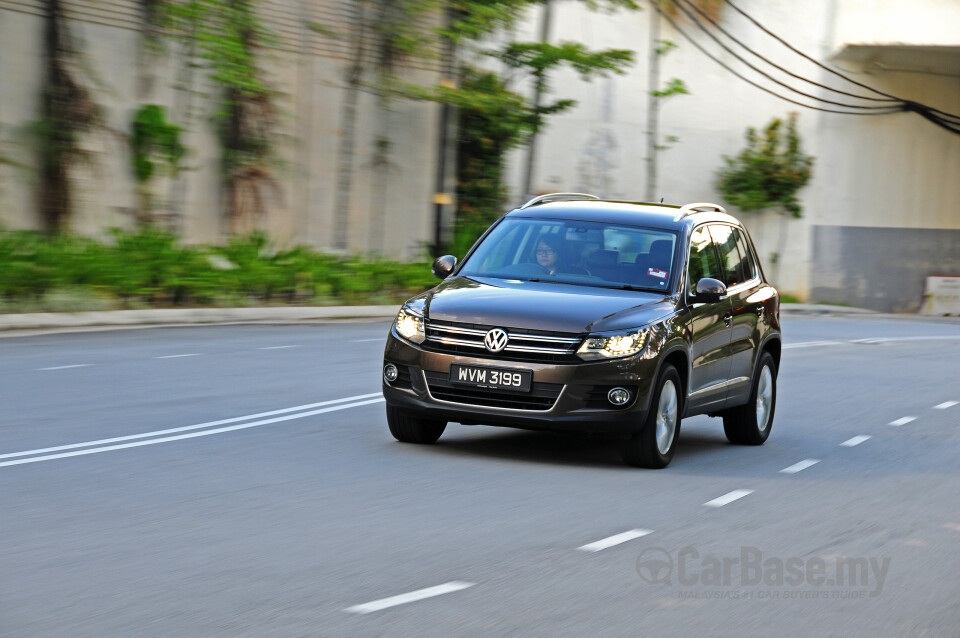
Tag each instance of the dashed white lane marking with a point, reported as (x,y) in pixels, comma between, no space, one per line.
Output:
(797,467)
(354,401)
(76,365)
(178,356)
(410,597)
(614,540)
(730,497)
(278,347)
(903,421)
(366,340)
(945,405)
(857,440)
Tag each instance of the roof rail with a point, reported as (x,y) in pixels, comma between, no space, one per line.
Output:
(557,197)
(698,207)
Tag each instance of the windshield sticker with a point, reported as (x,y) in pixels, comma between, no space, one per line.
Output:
(655,272)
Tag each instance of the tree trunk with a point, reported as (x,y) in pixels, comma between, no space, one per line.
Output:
(348,120)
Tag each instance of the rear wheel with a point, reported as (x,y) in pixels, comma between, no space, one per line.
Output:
(654,445)
(411,428)
(750,424)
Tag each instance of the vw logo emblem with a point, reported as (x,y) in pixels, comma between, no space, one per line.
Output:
(496,340)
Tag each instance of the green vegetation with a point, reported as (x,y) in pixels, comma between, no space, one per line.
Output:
(149,268)
(769,172)
(492,118)
(153,141)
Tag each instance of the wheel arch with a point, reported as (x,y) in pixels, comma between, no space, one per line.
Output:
(773,346)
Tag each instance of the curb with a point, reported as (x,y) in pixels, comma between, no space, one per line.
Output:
(69,321)
(162,317)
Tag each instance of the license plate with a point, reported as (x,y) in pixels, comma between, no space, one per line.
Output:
(492,378)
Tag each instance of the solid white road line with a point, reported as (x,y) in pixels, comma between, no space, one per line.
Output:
(720,501)
(614,540)
(802,465)
(189,427)
(366,340)
(167,439)
(903,421)
(413,596)
(177,356)
(857,440)
(76,365)
(811,344)
(278,347)
(945,405)
(875,340)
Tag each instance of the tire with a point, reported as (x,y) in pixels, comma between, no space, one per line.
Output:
(654,445)
(750,424)
(410,428)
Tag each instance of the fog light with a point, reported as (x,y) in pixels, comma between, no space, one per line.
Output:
(618,396)
(390,373)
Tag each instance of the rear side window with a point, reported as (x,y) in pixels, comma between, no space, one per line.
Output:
(726,241)
(748,265)
(703,258)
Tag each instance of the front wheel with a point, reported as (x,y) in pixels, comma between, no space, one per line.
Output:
(750,424)
(653,447)
(410,428)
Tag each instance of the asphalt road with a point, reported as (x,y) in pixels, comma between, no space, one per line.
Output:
(241,481)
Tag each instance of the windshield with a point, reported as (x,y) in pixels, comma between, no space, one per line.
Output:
(575,252)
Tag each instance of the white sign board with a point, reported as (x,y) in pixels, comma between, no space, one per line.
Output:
(942,296)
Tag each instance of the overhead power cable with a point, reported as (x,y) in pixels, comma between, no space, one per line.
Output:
(912,106)
(720,28)
(680,4)
(942,119)
(892,109)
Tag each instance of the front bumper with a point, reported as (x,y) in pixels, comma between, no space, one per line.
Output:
(580,388)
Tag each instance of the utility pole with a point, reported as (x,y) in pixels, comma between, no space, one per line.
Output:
(445,179)
(653,104)
(537,96)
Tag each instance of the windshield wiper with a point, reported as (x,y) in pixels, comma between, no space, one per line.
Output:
(629,287)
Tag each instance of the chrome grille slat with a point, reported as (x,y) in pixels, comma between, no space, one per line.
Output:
(458,342)
(526,337)
(536,349)
(523,345)
(460,331)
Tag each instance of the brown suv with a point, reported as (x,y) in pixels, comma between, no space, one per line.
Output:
(609,318)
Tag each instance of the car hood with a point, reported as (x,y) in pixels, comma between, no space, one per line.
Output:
(511,303)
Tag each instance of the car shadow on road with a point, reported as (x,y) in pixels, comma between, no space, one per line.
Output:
(565,449)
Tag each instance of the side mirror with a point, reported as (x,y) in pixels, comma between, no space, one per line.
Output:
(709,290)
(443,266)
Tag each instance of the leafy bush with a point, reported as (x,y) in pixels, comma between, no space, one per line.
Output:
(150,268)
(769,171)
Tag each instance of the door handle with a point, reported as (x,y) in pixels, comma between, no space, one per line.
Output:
(727,319)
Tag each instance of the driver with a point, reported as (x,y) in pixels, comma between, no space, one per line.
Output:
(548,254)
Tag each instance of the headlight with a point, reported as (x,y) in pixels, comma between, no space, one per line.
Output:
(620,345)
(410,326)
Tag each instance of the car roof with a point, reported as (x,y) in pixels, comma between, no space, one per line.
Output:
(627,213)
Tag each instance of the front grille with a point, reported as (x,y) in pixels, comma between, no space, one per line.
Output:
(524,345)
(542,396)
